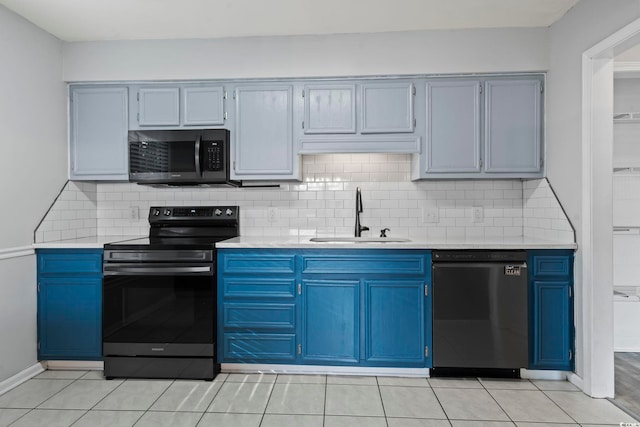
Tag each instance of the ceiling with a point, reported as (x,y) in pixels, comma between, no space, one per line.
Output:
(85,20)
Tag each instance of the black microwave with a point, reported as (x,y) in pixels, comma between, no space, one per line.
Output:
(180,157)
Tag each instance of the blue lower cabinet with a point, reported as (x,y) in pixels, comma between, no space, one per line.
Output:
(69,305)
(244,347)
(551,331)
(330,322)
(395,323)
(325,307)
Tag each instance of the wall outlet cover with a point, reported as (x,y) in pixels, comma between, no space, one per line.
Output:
(272,214)
(477,214)
(134,213)
(430,215)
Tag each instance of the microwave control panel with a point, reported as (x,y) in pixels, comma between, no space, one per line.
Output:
(214,155)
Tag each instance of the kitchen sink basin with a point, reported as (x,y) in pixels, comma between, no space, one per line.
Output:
(358,240)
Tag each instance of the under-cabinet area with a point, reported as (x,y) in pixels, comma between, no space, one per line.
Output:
(480,126)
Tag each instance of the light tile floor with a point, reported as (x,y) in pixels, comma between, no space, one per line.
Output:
(81,398)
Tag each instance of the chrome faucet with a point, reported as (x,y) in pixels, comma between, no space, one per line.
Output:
(359,228)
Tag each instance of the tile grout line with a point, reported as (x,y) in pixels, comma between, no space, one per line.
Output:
(386,421)
(495,400)
(273,386)
(439,403)
(555,403)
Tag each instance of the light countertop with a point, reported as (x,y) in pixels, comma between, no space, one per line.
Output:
(470,243)
(92,242)
(267,242)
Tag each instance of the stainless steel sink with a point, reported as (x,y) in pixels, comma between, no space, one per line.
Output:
(358,240)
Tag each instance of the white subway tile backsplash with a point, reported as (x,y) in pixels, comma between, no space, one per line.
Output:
(323,204)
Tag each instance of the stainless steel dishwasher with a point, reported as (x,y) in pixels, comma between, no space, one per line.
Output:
(480,312)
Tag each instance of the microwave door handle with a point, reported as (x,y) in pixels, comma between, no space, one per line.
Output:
(198,169)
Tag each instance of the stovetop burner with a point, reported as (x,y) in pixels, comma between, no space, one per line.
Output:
(192,227)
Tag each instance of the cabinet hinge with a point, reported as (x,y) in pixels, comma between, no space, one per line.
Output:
(299,348)
(426,290)
(570,355)
(138,96)
(234,95)
(303,93)
(570,293)
(414,122)
(414,90)
(480,88)
(234,165)
(38,287)
(138,116)
(299,289)
(541,88)
(480,162)
(225,95)
(303,124)
(426,351)
(38,345)
(225,115)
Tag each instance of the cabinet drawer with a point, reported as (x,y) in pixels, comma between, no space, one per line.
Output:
(259,316)
(548,265)
(249,263)
(258,287)
(259,347)
(366,264)
(64,261)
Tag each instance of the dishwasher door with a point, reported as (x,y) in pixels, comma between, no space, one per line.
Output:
(480,315)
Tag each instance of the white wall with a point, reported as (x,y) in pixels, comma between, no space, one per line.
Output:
(33,159)
(33,135)
(18,332)
(458,51)
(588,23)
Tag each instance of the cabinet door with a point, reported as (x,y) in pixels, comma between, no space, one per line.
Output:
(512,126)
(263,133)
(70,318)
(203,105)
(329,109)
(395,323)
(551,320)
(453,126)
(159,106)
(330,321)
(98,146)
(387,108)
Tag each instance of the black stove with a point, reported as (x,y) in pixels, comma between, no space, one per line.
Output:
(159,295)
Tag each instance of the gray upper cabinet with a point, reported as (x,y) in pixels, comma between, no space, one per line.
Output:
(482,128)
(99,124)
(512,126)
(329,109)
(177,106)
(203,105)
(453,126)
(263,145)
(356,116)
(387,107)
(159,106)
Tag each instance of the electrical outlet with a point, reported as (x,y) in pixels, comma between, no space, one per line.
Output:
(477,214)
(134,214)
(430,215)
(272,214)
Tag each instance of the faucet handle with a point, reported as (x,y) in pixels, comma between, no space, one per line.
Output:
(383,232)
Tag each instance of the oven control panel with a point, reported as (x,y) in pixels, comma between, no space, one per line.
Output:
(200,212)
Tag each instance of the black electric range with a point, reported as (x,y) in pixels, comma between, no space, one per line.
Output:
(159,295)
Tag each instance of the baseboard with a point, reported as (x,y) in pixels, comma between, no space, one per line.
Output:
(576,380)
(543,375)
(74,365)
(20,377)
(325,370)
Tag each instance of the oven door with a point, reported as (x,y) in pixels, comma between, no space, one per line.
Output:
(159,309)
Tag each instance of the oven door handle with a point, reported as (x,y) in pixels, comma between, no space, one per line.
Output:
(129,270)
